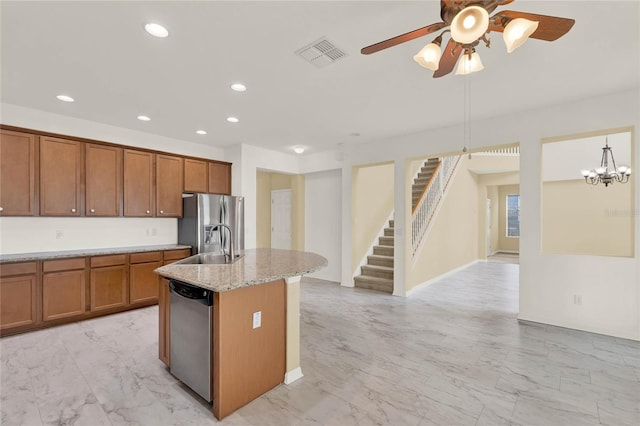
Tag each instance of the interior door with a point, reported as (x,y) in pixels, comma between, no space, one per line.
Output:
(281,219)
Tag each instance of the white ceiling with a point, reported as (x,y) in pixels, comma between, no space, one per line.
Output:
(98,53)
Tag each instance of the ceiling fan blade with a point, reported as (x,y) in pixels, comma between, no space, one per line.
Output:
(449,58)
(394,41)
(550,28)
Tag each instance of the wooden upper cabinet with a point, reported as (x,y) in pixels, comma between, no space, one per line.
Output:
(61,177)
(18,171)
(103,191)
(195,176)
(139,195)
(220,178)
(169,185)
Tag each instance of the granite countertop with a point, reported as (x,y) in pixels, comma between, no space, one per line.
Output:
(257,266)
(49,255)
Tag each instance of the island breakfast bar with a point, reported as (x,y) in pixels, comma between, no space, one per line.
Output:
(247,360)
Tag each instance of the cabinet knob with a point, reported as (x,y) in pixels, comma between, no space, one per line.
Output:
(93,210)
(73,210)
(148,212)
(161,211)
(1,209)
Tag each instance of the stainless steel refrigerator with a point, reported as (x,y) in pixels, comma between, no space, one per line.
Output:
(200,225)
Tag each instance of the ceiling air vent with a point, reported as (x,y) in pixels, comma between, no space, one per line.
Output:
(321,53)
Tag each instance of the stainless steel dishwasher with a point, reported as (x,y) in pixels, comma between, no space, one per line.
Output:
(190,325)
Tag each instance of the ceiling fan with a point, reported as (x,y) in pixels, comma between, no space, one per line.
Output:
(469,23)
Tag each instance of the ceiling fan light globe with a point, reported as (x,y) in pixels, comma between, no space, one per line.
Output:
(429,57)
(469,64)
(517,32)
(469,24)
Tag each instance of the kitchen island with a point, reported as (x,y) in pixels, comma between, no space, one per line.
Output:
(247,360)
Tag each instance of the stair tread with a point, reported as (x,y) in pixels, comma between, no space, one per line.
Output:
(378,268)
(380,257)
(374,280)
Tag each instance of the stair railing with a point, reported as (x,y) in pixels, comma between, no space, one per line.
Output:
(425,209)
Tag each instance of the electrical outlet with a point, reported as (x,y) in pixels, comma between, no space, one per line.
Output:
(577,299)
(154,232)
(257,319)
(59,234)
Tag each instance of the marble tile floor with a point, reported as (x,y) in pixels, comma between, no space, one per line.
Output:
(452,354)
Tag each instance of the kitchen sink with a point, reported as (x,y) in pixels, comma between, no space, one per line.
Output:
(206,259)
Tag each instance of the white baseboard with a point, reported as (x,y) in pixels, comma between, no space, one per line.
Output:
(506,251)
(293,375)
(439,277)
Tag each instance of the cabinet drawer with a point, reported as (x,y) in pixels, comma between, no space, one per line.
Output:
(153,256)
(111,260)
(23,268)
(176,254)
(63,264)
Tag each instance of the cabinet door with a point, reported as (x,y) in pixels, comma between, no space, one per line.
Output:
(195,176)
(17,301)
(108,287)
(220,178)
(60,177)
(169,186)
(164,335)
(103,165)
(63,294)
(17,174)
(143,282)
(138,183)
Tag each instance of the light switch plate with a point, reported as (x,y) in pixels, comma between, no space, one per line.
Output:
(257,319)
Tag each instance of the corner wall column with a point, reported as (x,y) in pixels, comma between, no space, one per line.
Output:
(292,366)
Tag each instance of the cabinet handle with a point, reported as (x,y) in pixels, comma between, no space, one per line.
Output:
(148,212)
(93,210)
(161,211)
(73,210)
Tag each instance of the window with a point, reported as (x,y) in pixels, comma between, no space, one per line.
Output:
(513,215)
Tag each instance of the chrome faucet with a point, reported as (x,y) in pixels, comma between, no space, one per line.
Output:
(232,253)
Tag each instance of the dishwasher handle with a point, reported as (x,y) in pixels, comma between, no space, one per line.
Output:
(188,291)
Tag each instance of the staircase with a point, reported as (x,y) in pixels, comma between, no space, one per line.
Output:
(419,183)
(377,274)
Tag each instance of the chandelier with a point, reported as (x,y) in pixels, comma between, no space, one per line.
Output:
(604,173)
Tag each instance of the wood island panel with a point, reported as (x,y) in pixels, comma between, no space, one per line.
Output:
(247,362)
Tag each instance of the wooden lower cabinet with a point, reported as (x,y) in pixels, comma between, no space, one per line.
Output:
(143,281)
(18,301)
(63,294)
(108,287)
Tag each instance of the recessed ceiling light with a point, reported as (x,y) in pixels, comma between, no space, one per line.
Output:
(156,30)
(143,118)
(238,87)
(65,98)
(201,132)
(298,149)
(232,119)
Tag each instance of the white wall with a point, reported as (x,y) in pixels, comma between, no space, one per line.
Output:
(323,217)
(610,287)
(36,234)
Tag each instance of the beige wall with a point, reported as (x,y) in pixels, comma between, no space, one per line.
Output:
(372,203)
(453,238)
(590,220)
(493,194)
(267,182)
(506,243)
